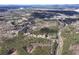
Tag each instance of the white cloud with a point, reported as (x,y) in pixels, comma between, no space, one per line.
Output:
(39,1)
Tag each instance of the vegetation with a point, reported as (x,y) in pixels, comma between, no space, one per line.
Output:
(48,30)
(42,51)
(19,42)
(70,38)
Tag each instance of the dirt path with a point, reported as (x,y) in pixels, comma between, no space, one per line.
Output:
(60,40)
(60,44)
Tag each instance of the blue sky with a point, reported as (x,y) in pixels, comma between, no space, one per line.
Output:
(39,2)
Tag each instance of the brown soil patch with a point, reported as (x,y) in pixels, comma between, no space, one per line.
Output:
(75,49)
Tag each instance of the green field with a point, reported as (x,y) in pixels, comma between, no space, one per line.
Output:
(69,38)
(19,42)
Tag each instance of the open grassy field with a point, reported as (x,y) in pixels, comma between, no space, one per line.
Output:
(19,42)
(70,37)
(42,51)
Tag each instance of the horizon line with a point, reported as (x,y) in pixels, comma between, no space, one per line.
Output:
(39,4)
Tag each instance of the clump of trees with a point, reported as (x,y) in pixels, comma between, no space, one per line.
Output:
(48,30)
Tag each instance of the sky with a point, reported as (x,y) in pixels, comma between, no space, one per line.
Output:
(43,2)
